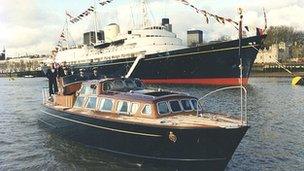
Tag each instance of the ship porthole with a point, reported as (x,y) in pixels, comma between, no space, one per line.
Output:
(172,137)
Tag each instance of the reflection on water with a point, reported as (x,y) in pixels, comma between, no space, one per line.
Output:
(275,140)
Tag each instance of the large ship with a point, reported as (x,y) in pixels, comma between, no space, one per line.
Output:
(156,55)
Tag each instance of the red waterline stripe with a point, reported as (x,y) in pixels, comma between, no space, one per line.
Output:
(200,81)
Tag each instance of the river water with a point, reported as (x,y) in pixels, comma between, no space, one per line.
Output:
(275,140)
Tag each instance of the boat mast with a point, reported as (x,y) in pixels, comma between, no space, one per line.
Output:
(240,45)
(145,19)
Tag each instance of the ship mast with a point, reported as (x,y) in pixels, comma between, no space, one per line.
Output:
(95,23)
(145,19)
(67,31)
(67,35)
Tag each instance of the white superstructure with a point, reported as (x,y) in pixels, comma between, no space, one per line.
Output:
(149,40)
(137,42)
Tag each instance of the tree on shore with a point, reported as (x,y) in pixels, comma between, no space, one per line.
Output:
(284,34)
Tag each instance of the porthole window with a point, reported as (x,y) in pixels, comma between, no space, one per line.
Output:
(162,108)
(147,110)
(175,106)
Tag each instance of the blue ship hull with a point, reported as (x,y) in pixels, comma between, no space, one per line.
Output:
(214,64)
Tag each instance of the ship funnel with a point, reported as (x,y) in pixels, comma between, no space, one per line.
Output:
(111,32)
(166,24)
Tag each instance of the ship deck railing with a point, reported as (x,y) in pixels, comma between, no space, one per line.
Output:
(243,101)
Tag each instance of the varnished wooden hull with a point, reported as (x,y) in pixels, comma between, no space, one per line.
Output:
(208,148)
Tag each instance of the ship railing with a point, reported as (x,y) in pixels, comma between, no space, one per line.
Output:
(243,101)
(45,94)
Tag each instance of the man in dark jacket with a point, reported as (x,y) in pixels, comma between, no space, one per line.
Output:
(63,71)
(82,76)
(51,74)
(95,75)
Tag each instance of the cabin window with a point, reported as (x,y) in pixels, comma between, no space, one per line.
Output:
(86,90)
(118,84)
(162,108)
(186,105)
(106,105)
(122,107)
(91,104)
(194,104)
(134,108)
(147,110)
(130,84)
(79,101)
(94,91)
(175,106)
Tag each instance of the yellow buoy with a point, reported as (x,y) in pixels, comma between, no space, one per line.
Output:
(297,81)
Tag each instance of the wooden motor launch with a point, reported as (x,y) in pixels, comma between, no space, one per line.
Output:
(120,116)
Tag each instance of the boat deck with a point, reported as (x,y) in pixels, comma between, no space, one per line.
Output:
(186,120)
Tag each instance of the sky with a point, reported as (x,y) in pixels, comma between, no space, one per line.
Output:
(34,26)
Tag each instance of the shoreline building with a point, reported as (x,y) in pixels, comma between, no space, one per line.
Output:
(22,64)
(276,52)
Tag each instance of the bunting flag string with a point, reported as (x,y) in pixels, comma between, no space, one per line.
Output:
(105,2)
(62,38)
(69,15)
(75,19)
(208,15)
(224,20)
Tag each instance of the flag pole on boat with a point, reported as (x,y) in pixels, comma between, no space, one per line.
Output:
(240,45)
(240,57)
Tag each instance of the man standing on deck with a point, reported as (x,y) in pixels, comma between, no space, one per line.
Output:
(82,76)
(63,71)
(95,74)
(51,74)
